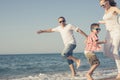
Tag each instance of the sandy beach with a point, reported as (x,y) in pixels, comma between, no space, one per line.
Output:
(111,78)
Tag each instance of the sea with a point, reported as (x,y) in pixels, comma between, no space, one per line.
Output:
(51,66)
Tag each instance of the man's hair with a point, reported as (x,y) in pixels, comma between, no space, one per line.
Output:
(93,25)
(62,17)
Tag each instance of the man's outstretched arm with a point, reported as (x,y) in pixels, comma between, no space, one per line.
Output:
(45,31)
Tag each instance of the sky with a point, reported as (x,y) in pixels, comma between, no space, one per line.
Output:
(21,19)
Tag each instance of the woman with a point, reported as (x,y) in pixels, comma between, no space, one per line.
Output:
(111,48)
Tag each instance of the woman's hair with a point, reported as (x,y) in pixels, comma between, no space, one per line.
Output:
(111,2)
(93,26)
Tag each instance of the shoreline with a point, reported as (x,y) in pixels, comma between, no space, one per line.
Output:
(111,78)
(37,77)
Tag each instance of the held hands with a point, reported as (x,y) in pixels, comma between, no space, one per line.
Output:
(104,41)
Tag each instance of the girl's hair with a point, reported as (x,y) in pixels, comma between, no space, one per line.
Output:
(93,26)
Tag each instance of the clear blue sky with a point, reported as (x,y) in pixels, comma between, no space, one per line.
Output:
(20,19)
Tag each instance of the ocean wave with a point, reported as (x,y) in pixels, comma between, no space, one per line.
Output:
(99,74)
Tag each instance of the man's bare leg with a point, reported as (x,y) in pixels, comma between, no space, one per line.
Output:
(72,70)
(77,61)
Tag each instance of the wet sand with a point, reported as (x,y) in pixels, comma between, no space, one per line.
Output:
(112,78)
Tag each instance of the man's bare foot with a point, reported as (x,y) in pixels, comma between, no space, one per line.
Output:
(89,77)
(73,75)
(118,77)
(78,64)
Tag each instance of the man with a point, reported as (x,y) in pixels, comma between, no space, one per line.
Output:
(66,31)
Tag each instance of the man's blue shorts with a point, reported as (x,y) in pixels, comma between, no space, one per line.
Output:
(68,51)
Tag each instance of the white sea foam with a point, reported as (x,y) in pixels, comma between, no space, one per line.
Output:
(66,75)
(50,67)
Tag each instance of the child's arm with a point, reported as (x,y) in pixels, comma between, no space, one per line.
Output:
(101,42)
(83,33)
(45,31)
